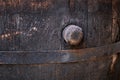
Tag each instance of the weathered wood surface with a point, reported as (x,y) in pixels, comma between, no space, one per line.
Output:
(48,22)
(99,22)
(41,23)
(36,25)
(96,70)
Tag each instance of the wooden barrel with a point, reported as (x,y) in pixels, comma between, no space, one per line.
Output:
(32,46)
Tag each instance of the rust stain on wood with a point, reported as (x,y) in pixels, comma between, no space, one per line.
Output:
(114,59)
(9,35)
(28,33)
(2,3)
(13,3)
(115,28)
(45,4)
(32,4)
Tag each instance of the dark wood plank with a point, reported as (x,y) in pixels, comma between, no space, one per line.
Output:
(38,27)
(99,22)
(33,29)
(72,71)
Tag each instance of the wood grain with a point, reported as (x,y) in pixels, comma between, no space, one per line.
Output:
(31,26)
(71,71)
(48,25)
(99,22)
(47,22)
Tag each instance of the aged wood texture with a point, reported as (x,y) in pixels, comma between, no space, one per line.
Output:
(31,31)
(99,22)
(96,70)
(31,6)
(41,27)
(95,18)
(43,24)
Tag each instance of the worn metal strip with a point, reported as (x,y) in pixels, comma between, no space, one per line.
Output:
(57,56)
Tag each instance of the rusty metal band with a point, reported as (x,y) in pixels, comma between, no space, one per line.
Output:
(58,56)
